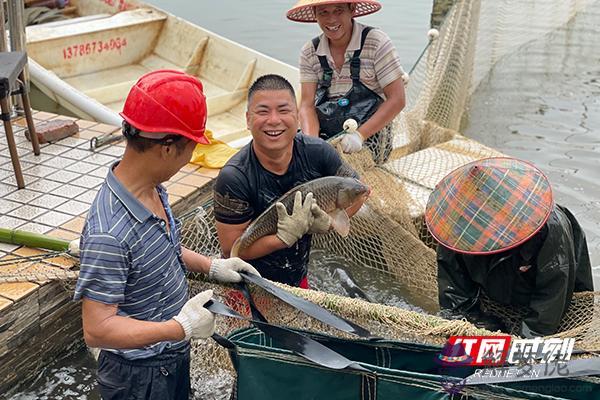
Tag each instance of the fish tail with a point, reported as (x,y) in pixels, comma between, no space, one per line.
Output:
(235,249)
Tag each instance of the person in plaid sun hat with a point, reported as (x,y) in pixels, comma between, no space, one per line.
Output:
(501,236)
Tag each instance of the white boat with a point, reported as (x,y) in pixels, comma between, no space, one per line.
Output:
(88,63)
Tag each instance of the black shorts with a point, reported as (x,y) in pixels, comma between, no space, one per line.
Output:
(164,377)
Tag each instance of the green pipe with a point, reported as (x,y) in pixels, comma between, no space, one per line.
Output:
(30,239)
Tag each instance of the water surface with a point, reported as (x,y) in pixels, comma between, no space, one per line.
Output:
(542,104)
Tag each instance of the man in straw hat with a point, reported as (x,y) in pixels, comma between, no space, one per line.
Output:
(349,71)
(502,236)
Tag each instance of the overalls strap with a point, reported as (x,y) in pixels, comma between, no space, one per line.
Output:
(354,62)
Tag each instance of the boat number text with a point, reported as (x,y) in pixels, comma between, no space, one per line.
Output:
(95,47)
(122,4)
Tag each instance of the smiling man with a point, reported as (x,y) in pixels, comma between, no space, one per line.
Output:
(278,159)
(349,71)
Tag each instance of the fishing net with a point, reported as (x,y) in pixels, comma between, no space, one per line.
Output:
(33,265)
(213,374)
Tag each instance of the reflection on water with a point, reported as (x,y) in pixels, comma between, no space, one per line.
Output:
(542,104)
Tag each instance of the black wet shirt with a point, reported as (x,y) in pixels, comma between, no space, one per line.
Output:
(541,275)
(244,189)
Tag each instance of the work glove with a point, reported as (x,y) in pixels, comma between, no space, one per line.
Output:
(322,220)
(197,322)
(227,270)
(290,228)
(352,141)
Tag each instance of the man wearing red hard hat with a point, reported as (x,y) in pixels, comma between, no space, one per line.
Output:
(136,305)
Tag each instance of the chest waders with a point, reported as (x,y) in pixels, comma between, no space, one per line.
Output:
(359,103)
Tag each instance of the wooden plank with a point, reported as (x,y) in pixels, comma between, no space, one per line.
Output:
(100,78)
(153,62)
(246,78)
(43,32)
(194,63)
(78,49)
(224,102)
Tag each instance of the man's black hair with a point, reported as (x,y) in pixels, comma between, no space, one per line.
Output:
(141,144)
(271,82)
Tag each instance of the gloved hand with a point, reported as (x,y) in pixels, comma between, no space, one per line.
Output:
(227,270)
(197,322)
(322,220)
(352,142)
(292,227)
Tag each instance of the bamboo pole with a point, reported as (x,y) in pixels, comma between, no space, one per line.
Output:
(30,239)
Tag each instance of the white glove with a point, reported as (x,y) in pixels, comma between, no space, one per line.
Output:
(197,322)
(290,228)
(352,142)
(322,222)
(74,247)
(227,270)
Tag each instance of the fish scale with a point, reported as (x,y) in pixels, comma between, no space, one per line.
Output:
(326,192)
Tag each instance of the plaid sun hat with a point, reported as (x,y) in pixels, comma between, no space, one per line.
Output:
(303,11)
(489,206)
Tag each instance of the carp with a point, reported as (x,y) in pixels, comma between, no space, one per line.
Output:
(332,193)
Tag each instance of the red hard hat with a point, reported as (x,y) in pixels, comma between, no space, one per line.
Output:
(167,101)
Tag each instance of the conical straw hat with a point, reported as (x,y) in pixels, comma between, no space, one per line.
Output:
(303,11)
(489,206)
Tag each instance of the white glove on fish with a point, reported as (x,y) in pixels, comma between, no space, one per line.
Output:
(322,222)
(227,270)
(197,322)
(290,228)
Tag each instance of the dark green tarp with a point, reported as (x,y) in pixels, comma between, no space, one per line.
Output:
(397,370)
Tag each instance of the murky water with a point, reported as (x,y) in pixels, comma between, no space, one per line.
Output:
(333,274)
(542,103)
(72,377)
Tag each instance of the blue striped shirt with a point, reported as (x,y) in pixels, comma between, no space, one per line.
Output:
(128,258)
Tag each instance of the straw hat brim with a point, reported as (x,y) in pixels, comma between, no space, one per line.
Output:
(303,11)
(489,206)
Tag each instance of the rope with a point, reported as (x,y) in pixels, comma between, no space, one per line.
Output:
(59,274)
